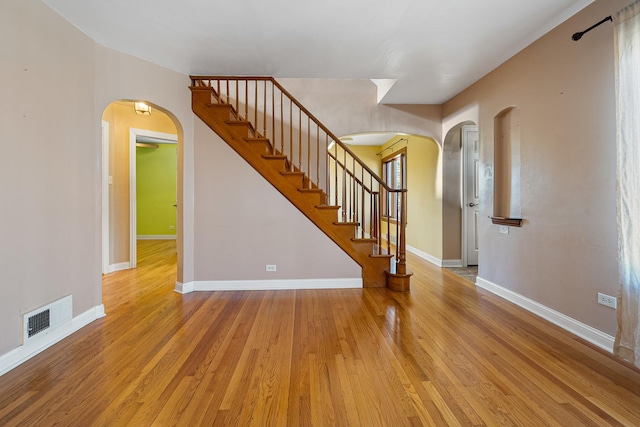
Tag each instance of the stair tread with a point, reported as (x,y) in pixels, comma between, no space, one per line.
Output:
(392,273)
(380,256)
(367,240)
(310,190)
(292,173)
(346,223)
(238,123)
(327,207)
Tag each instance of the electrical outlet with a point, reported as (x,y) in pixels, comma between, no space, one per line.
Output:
(504,229)
(172,227)
(607,300)
(271,267)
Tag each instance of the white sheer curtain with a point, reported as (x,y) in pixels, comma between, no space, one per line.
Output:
(627,46)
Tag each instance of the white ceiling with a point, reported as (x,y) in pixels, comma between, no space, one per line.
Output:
(434,48)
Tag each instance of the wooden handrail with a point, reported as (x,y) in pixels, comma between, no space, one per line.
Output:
(303,109)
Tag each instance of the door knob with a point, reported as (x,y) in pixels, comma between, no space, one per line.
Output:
(471,205)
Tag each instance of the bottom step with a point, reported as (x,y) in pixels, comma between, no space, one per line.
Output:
(399,282)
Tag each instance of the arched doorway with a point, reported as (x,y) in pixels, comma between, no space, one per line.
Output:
(129,134)
(423,162)
(460,201)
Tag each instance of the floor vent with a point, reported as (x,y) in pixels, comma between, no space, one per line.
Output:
(46,319)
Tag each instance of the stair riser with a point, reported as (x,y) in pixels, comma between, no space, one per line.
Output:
(278,164)
(224,112)
(241,130)
(315,197)
(260,147)
(296,180)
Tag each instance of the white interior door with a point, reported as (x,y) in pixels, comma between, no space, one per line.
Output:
(471,194)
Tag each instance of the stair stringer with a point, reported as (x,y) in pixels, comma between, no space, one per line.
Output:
(310,203)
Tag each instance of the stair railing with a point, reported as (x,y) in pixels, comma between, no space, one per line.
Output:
(365,200)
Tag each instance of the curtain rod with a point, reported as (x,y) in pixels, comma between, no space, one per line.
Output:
(577,36)
(389,147)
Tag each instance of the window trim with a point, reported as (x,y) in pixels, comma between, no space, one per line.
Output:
(402,156)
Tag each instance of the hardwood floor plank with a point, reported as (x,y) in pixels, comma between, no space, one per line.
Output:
(444,353)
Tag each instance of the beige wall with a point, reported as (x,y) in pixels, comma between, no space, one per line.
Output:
(244,223)
(566,250)
(350,106)
(50,244)
(122,117)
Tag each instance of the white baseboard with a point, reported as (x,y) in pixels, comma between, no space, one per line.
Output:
(452,263)
(584,331)
(264,285)
(156,237)
(19,355)
(118,267)
(425,256)
(184,288)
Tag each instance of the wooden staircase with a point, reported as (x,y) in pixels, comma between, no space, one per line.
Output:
(310,167)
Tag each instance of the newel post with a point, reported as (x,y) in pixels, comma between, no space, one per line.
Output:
(401,267)
(400,280)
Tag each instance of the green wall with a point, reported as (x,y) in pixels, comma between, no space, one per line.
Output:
(156,190)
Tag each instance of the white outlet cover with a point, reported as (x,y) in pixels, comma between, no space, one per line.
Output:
(504,229)
(607,300)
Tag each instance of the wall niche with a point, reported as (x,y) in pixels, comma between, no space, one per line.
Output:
(506,183)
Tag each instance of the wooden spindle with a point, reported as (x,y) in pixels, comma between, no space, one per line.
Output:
(401,268)
(237,104)
(309,150)
(318,155)
(299,140)
(264,109)
(291,133)
(354,201)
(273,118)
(335,174)
(388,212)
(397,225)
(344,185)
(362,200)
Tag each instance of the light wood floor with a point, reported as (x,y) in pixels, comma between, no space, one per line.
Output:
(444,354)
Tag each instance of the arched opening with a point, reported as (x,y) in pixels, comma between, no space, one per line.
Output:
(422,158)
(140,180)
(460,203)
